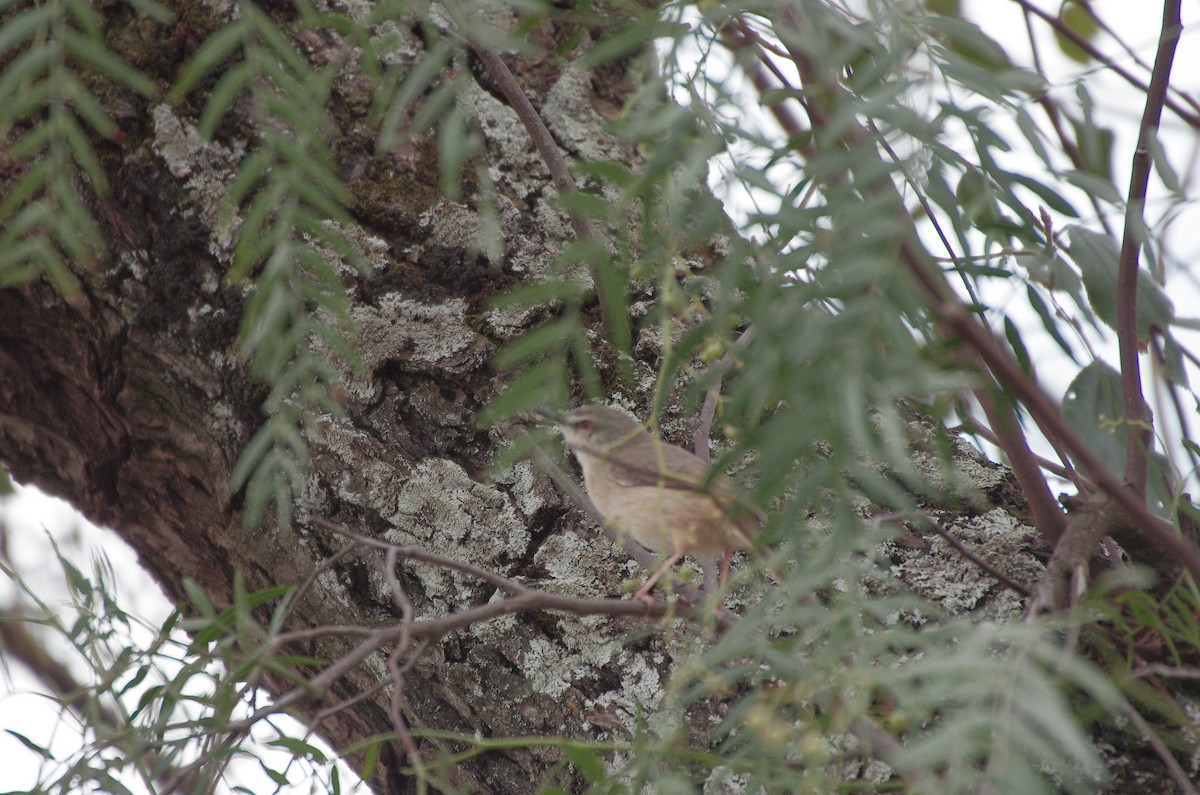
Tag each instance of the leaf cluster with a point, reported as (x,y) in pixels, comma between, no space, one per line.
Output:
(53,57)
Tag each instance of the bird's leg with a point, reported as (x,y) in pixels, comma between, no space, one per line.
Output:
(643,594)
(710,567)
(725,565)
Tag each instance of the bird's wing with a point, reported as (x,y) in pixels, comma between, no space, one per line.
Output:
(667,466)
(678,469)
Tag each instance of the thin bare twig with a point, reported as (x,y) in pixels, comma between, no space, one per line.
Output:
(407,612)
(927,519)
(1139,432)
(525,600)
(1166,671)
(1050,108)
(1192,119)
(967,553)
(700,437)
(325,566)
(1176,771)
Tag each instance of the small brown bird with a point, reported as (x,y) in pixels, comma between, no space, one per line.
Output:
(660,495)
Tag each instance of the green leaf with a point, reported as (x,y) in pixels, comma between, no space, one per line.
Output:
(109,784)
(586,761)
(216,51)
(17,29)
(198,598)
(542,384)
(370,760)
(394,129)
(1076,18)
(632,38)
(1098,260)
(977,198)
(231,84)
(1174,366)
(31,745)
(1094,407)
(107,63)
(969,40)
(1162,165)
(456,144)
(300,749)
(548,339)
(1095,143)
(1049,321)
(1052,198)
(1100,187)
(30,183)
(538,294)
(1018,345)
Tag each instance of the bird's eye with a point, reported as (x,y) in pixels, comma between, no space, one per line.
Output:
(583,425)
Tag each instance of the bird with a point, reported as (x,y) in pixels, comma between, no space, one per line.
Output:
(660,495)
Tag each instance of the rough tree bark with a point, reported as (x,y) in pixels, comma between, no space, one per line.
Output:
(130,403)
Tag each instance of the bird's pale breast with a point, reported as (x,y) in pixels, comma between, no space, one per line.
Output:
(660,518)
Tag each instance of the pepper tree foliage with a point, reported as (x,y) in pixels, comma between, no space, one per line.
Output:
(912,194)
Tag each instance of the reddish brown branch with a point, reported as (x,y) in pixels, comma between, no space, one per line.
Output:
(1139,434)
(1046,513)
(956,323)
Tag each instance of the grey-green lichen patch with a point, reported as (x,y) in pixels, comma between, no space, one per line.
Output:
(582,566)
(331,589)
(512,158)
(393,40)
(437,506)
(431,338)
(569,114)
(552,669)
(641,692)
(942,575)
(527,490)
(451,225)
(507,322)
(205,168)
(970,476)
(527,232)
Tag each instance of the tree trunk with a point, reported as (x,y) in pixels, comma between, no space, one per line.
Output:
(129,401)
